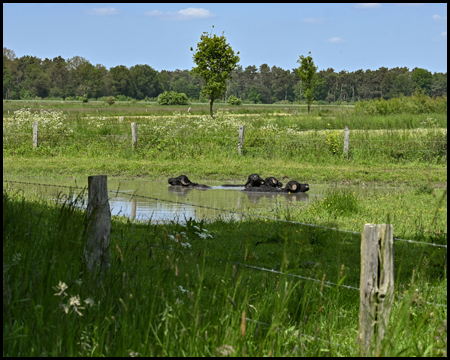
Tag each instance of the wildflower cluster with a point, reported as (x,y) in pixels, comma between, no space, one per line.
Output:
(49,121)
(74,303)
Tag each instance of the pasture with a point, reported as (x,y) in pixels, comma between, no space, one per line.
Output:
(203,288)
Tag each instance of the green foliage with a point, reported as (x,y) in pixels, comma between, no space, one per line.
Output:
(172,98)
(422,79)
(254,96)
(418,103)
(233,100)
(123,98)
(85,99)
(110,100)
(307,73)
(333,140)
(215,60)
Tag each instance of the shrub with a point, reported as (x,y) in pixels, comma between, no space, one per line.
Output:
(85,99)
(172,98)
(233,100)
(110,100)
(123,98)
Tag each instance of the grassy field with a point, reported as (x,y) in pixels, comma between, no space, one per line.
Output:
(177,289)
(385,149)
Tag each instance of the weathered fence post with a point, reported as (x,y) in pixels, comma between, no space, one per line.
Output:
(241,139)
(134,134)
(133,207)
(35,135)
(98,224)
(376,286)
(346,136)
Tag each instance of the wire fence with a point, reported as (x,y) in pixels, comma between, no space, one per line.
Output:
(227,211)
(323,282)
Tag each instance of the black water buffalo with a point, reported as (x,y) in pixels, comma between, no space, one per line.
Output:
(273,182)
(253,180)
(183,180)
(291,187)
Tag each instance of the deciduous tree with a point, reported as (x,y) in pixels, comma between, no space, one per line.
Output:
(215,60)
(307,72)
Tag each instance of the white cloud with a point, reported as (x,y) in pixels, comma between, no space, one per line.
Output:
(197,13)
(444,34)
(368,5)
(186,14)
(438,18)
(313,20)
(103,11)
(335,40)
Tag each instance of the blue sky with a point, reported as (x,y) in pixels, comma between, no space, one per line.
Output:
(340,36)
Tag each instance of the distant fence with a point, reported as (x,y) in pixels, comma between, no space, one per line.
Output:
(240,140)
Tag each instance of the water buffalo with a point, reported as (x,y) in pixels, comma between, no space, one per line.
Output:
(291,187)
(273,182)
(254,180)
(184,181)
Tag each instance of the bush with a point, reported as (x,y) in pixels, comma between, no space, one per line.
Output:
(172,98)
(282,102)
(123,98)
(417,103)
(233,100)
(85,99)
(110,100)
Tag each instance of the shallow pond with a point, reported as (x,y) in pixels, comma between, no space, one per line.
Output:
(158,201)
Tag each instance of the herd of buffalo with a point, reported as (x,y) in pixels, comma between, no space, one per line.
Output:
(254,184)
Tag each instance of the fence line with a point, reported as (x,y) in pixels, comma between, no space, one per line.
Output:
(229,211)
(329,283)
(134,136)
(239,263)
(261,269)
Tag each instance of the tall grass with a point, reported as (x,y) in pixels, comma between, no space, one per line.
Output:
(163,297)
(200,137)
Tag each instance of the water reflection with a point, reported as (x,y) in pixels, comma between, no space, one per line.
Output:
(256,197)
(158,201)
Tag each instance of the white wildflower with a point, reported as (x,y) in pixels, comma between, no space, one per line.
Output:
(61,287)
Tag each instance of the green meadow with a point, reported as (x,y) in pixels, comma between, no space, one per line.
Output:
(278,282)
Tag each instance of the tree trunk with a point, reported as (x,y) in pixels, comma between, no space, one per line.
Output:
(309,106)
(211,107)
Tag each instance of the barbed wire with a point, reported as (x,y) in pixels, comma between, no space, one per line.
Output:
(229,211)
(263,269)
(329,283)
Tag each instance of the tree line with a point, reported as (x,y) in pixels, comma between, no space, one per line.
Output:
(30,77)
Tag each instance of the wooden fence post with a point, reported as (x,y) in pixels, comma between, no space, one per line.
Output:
(134,135)
(35,135)
(376,286)
(133,207)
(98,225)
(346,136)
(241,139)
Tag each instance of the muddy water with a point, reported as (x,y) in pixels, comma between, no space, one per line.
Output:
(158,201)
